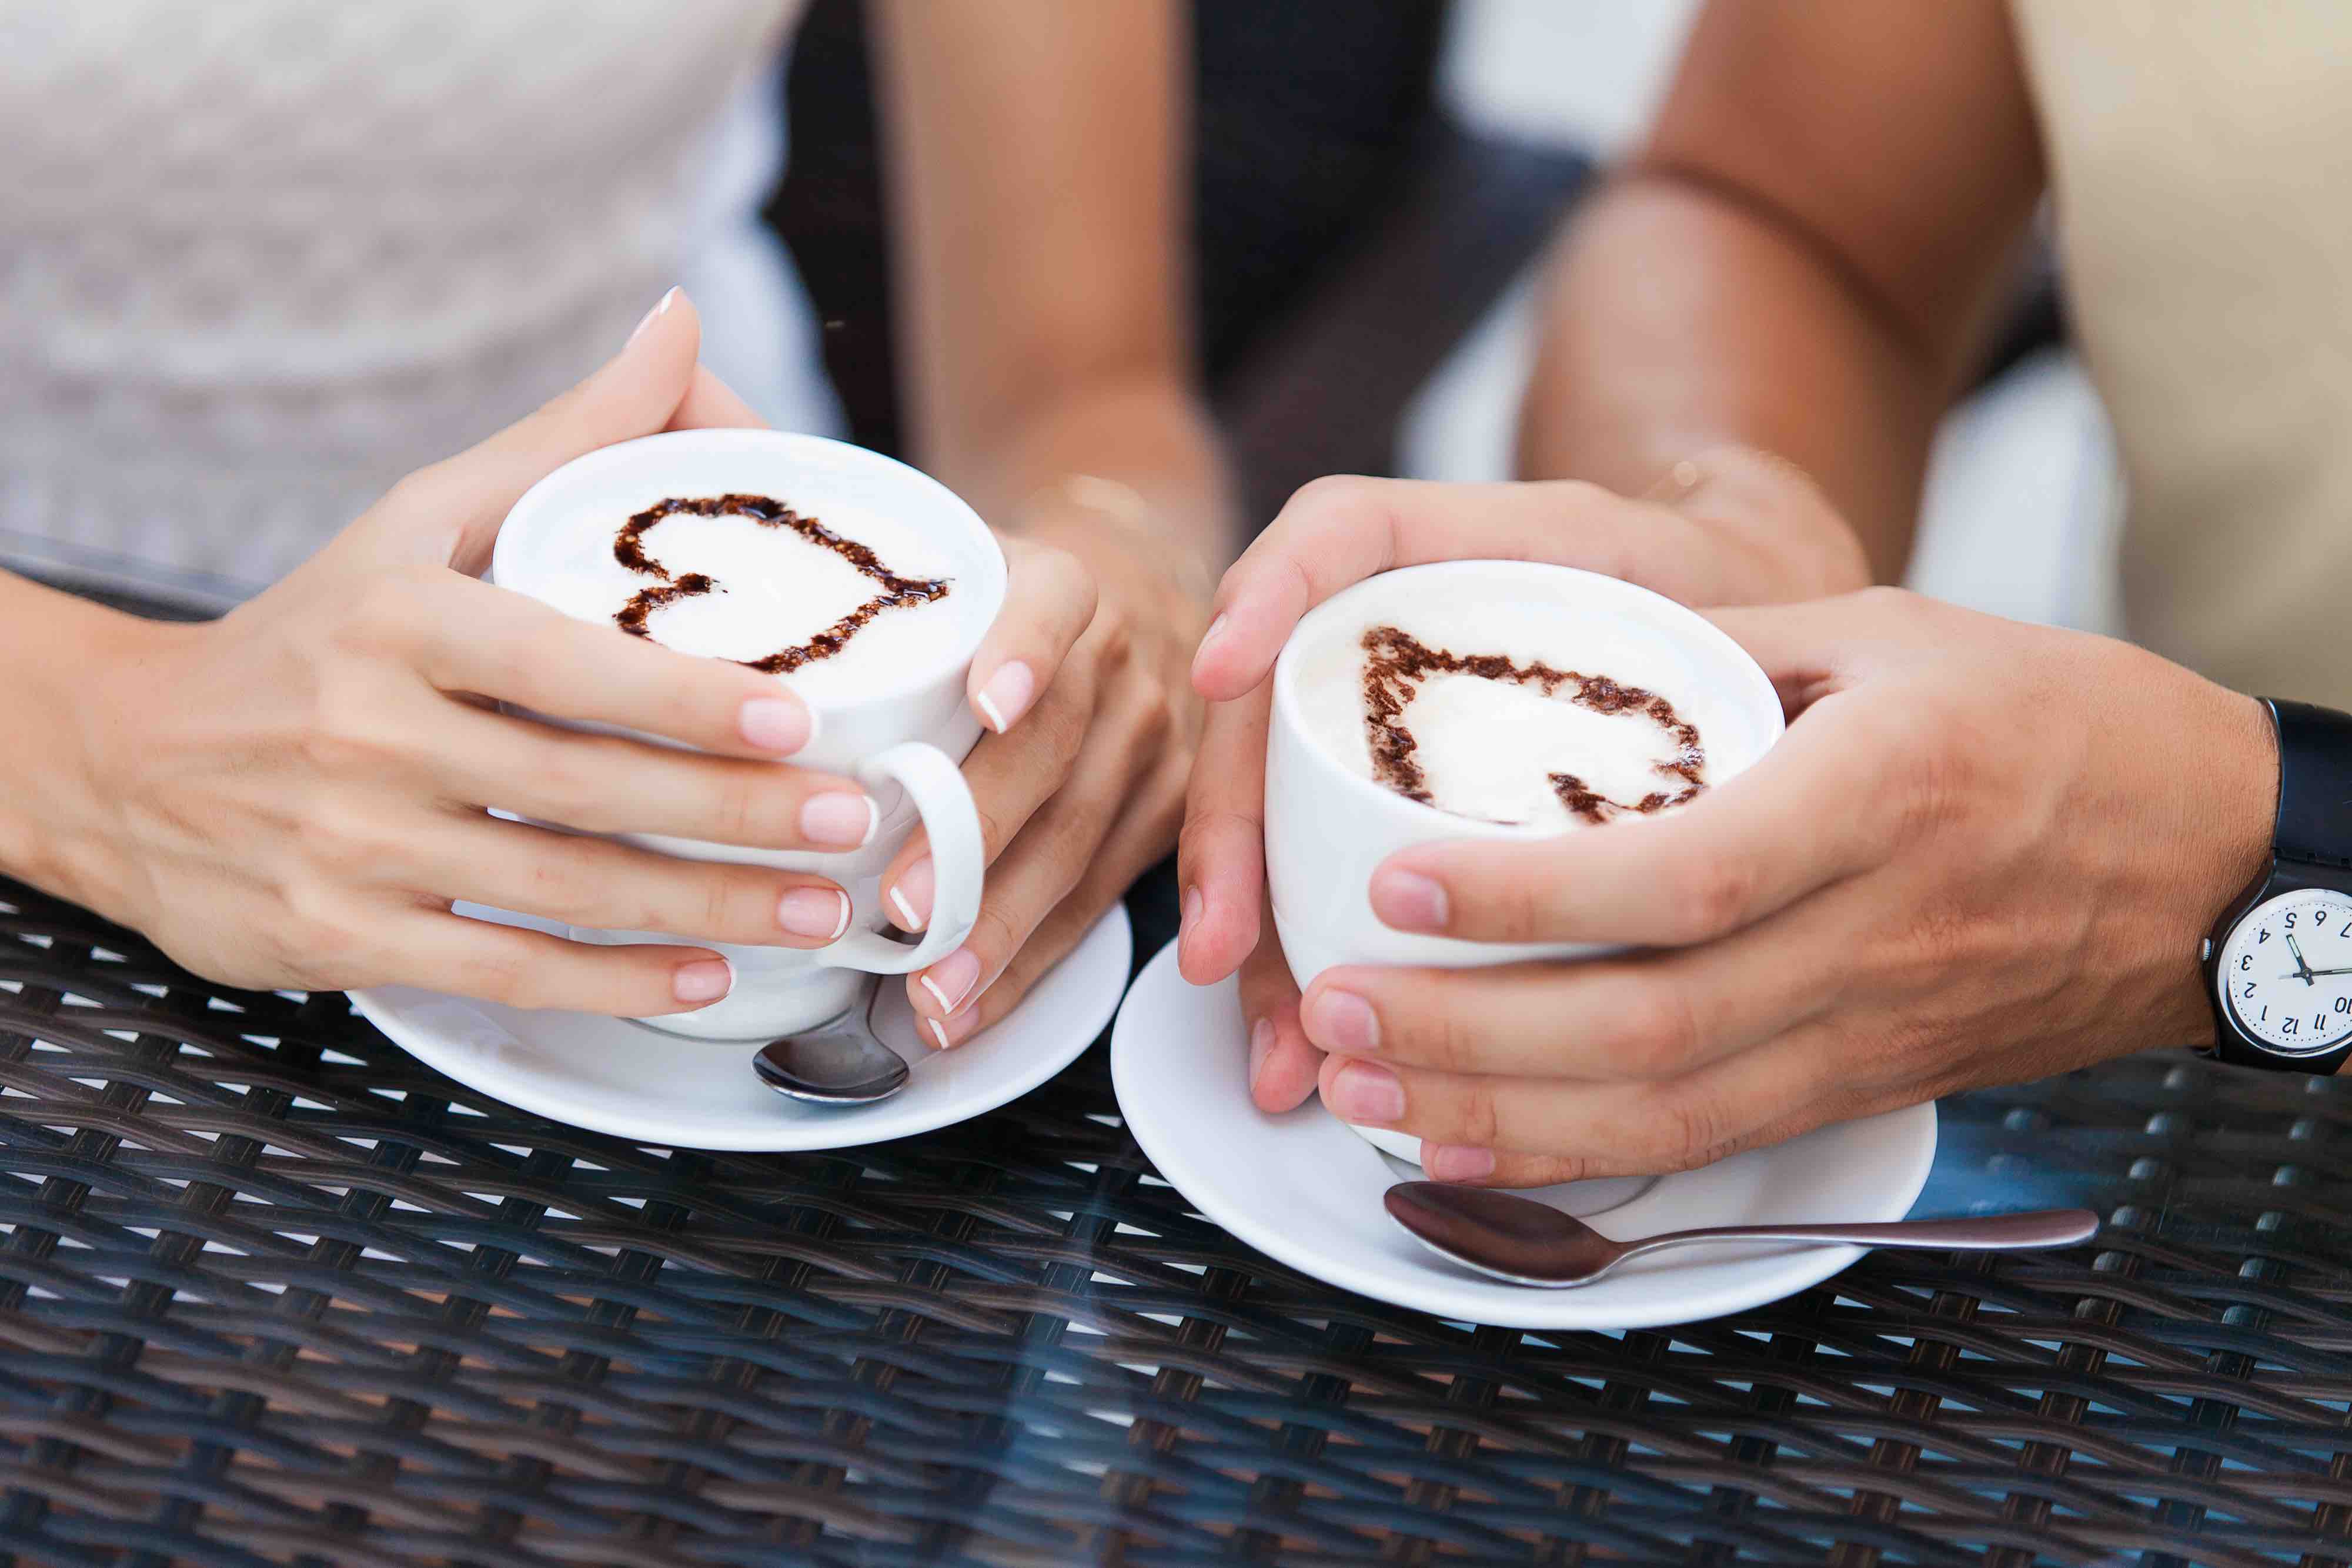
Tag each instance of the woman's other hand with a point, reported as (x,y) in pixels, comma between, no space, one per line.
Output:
(1082,684)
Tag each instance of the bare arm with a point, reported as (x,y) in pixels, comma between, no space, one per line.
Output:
(1802,260)
(1036,170)
(49,819)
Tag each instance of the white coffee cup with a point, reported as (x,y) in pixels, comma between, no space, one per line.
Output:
(1328,828)
(902,736)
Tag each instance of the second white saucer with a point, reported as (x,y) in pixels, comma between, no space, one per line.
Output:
(1305,1190)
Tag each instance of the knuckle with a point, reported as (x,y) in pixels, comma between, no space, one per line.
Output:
(557,889)
(1522,907)
(334,838)
(1111,635)
(1688,1131)
(500,976)
(722,898)
(993,830)
(1151,720)
(1885,602)
(315,933)
(1335,495)
(750,807)
(578,792)
(1711,896)
(1450,1038)
(1480,1119)
(995,935)
(385,610)
(1932,770)
(1661,1033)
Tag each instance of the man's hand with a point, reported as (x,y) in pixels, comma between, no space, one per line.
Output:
(1727,526)
(1984,853)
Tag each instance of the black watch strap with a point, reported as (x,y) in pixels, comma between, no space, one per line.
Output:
(2314,808)
(2311,846)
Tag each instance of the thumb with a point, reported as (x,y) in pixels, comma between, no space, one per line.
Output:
(634,393)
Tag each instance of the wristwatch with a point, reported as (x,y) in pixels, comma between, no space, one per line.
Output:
(2280,958)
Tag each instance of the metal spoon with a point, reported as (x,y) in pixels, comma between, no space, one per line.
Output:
(841,1062)
(1529,1243)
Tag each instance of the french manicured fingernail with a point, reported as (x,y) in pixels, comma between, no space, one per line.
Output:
(1190,920)
(1261,1047)
(1007,695)
(778,725)
(1342,1022)
(820,912)
(650,317)
(704,980)
(910,895)
(1408,900)
(950,1032)
(950,979)
(838,818)
(1364,1092)
(1456,1162)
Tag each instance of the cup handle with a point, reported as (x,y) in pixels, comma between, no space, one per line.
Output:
(943,800)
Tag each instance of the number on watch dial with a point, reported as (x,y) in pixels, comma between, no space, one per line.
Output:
(2285,974)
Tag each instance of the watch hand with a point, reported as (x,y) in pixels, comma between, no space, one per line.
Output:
(2316,973)
(2302,968)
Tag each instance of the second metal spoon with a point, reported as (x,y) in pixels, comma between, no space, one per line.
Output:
(1525,1242)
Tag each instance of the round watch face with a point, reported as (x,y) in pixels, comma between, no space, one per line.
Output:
(2285,973)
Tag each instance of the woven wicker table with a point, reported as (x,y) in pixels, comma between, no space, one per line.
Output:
(272,1291)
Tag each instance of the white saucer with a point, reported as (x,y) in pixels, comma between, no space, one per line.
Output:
(1305,1191)
(612,1076)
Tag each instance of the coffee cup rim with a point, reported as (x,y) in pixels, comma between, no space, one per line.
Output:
(1679,620)
(987,556)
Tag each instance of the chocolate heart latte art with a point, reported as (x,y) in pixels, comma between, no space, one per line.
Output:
(1398,664)
(893,592)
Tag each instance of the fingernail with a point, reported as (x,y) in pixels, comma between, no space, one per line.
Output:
(950,979)
(839,819)
(1208,640)
(1006,695)
(1261,1046)
(822,912)
(1342,1022)
(704,980)
(1454,1162)
(1361,1092)
(1408,900)
(910,895)
(1190,920)
(951,1032)
(660,307)
(778,725)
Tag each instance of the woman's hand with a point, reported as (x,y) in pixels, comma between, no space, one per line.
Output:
(1984,851)
(293,795)
(1083,685)
(1731,527)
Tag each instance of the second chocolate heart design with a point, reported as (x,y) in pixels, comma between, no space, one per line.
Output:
(1396,664)
(764,511)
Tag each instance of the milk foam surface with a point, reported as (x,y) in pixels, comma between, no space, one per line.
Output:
(773,589)
(1487,749)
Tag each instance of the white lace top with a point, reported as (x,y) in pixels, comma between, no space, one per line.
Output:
(261,258)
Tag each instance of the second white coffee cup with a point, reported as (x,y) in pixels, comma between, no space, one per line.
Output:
(1328,828)
(903,734)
